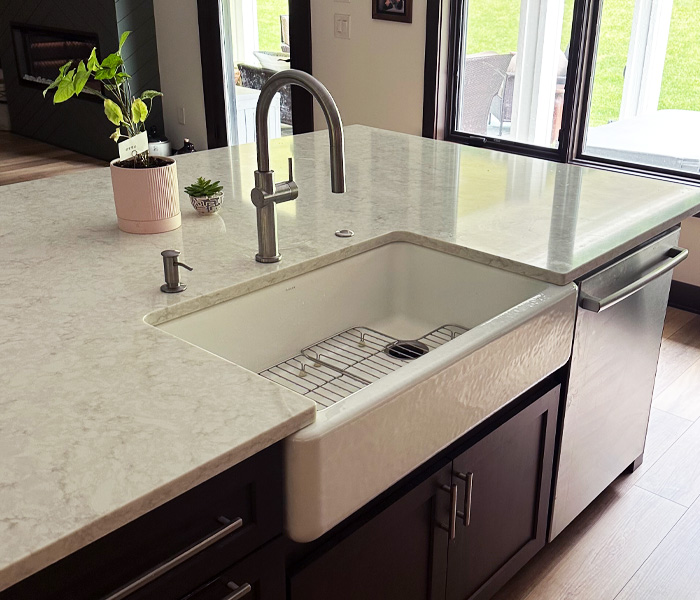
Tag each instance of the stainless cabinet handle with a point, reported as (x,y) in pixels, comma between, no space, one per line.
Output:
(239,591)
(674,256)
(451,529)
(155,573)
(467,514)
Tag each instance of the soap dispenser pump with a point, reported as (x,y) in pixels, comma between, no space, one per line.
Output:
(172,284)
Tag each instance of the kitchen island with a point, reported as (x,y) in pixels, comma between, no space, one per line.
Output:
(103,418)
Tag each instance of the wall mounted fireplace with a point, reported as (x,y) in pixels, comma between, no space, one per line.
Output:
(41,51)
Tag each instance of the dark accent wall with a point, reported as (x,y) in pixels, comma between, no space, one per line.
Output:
(78,124)
(141,51)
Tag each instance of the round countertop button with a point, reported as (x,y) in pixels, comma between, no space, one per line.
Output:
(344,233)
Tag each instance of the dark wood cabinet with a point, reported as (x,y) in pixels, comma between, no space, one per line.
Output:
(400,553)
(246,499)
(259,576)
(504,484)
(457,528)
(499,507)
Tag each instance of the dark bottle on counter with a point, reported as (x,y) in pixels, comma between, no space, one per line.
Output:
(187,148)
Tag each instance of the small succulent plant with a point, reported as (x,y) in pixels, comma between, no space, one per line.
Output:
(203,187)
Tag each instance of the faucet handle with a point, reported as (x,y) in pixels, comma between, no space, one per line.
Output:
(291,170)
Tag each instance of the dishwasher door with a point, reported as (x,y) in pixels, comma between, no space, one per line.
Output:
(617,339)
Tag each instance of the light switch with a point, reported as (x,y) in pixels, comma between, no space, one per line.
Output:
(181,115)
(342,26)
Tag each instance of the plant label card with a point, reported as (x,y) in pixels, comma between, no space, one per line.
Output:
(133,146)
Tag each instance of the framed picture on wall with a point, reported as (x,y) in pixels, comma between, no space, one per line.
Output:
(393,10)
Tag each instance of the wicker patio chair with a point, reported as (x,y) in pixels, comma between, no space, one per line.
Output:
(483,77)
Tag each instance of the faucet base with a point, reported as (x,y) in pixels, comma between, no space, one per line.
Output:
(267,259)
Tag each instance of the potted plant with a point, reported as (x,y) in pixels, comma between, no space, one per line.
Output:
(206,197)
(145,187)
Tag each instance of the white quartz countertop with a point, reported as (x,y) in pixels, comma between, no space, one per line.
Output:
(103,417)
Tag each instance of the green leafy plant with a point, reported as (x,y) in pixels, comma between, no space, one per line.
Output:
(123,109)
(203,187)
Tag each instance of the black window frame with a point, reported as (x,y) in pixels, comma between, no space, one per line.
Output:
(579,80)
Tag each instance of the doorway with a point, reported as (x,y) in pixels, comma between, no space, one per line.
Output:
(243,44)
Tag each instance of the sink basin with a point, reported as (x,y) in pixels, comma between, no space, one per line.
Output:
(508,333)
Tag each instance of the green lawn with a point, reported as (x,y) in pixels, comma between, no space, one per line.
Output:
(615,28)
(681,82)
(493,26)
(269,12)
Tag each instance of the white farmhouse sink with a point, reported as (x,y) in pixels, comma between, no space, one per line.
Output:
(518,331)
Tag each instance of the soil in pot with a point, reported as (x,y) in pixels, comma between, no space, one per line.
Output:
(135,163)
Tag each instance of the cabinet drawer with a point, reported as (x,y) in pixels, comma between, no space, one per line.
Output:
(260,576)
(224,518)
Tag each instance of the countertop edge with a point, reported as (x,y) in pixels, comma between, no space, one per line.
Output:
(108,523)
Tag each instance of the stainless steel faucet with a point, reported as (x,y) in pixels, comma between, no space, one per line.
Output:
(266,193)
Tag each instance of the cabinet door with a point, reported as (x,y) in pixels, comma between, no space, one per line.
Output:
(504,488)
(400,553)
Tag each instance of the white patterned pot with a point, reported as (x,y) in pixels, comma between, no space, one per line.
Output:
(147,200)
(207,205)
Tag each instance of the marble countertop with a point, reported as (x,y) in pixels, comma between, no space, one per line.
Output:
(103,417)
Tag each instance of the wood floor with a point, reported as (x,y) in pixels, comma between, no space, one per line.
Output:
(24,159)
(640,539)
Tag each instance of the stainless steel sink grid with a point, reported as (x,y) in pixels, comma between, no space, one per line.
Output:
(346,362)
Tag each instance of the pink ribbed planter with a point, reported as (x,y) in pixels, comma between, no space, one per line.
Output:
(147,200)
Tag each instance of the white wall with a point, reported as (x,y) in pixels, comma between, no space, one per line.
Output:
(376,77)
(689,270)
(180,70)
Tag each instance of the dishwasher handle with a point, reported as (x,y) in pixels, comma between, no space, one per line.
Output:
(674,256)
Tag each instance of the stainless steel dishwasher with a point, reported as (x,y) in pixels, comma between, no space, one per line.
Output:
(613,365)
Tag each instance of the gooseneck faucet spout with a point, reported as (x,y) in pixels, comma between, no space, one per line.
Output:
(266,193)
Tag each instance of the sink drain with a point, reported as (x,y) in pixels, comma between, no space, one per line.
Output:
(407,350)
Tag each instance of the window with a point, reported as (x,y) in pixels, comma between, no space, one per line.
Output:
(645,99)
(512,69)
(584,81)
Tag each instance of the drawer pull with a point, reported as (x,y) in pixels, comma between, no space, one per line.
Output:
(239,591)
(451,529)
(674,256)
(467,514)
(150,576)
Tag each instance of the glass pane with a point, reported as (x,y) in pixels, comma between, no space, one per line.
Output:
(645,100)
(256,46)
(513,65)
(273,25)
